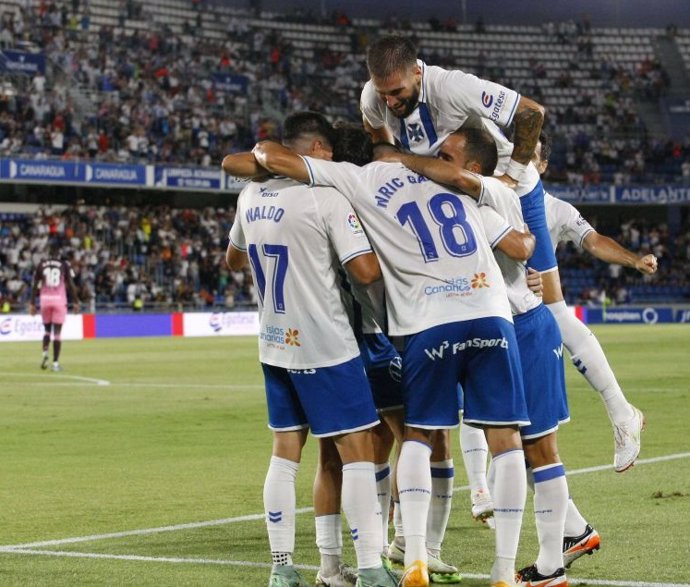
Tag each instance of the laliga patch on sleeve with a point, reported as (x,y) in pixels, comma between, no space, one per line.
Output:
(353,223)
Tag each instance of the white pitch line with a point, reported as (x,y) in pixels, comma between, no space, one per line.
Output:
(47,379)
(234,563)
(61,376)
(146,531)
(255,517)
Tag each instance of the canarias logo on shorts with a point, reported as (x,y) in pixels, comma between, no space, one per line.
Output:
(353,223)
(479,281)
(292,337)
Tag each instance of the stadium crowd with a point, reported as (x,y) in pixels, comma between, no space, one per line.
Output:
(169,257)
(155,99)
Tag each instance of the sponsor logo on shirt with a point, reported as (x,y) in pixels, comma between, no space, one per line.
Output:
(498,106)
(448,348)
(278,337)
(479,281)
(487,100)
(452,287)
(353,223)
(292,337)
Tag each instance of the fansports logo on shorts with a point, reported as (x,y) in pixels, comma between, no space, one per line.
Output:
(292,337)
(479,280)
(353,223)
(457,347)
(487,100)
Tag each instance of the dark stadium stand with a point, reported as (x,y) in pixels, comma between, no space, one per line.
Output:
(164,81)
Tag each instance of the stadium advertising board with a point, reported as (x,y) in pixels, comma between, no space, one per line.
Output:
(221,324)
(22,327)
(662,194)
(189,177)
(583,195)
(107,173)
(646,315)
(43,171)
(12,61)
(231,83)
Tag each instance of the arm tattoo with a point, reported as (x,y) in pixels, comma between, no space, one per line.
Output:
(528,122)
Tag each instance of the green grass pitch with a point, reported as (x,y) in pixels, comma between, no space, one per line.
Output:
(179,437)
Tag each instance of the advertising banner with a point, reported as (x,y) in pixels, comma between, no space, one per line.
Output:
(23,327)
(221,324)
(22,62)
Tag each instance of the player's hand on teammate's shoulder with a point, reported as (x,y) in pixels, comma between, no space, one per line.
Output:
(534,281)
(509,181)
(646,264)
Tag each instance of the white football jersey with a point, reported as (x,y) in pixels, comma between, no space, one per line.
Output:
(432,245)
(565,222)
(499,197)
(447,99)
(297,238)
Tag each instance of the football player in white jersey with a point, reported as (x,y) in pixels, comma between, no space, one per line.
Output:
(566,224)
(539,340)
(419,106)
(446,296)
(295,239)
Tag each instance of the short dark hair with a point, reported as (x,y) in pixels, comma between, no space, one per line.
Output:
(299,124)
(352,144)
(390,54)
(481,147)
(546,146)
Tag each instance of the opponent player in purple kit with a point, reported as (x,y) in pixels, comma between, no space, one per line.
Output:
(52,278)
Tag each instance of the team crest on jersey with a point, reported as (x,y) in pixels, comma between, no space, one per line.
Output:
(353,223)
(487,100)
(292,337)
(415,132)
(479,281)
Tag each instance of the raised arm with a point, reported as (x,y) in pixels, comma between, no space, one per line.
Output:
(528,120)
(609,251)
(243,165)
(440,171)
(281,161)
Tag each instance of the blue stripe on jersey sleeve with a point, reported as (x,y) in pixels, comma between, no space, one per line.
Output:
(355,254)
(501,236)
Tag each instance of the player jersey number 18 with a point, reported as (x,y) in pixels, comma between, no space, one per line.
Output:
(448,212)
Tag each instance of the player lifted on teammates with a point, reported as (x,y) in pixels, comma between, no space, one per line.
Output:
(420,105)
(52,278)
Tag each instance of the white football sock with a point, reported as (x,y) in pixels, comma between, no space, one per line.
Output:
(279,506)
(475,451)
(550,506)
(509,495)
(383,491)
(414,492)
(442,477)
(329,534)
(397,522)
(362,511)
(575,524)
(589,359)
